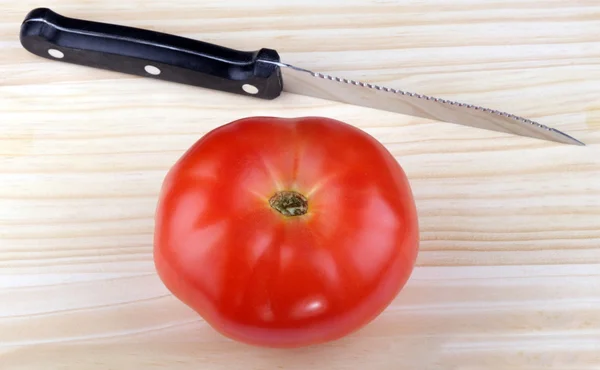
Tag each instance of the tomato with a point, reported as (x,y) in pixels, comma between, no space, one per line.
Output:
(286,232)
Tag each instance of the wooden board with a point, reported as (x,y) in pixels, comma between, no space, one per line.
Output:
(509,270)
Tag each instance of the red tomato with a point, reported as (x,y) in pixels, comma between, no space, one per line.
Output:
(286,232)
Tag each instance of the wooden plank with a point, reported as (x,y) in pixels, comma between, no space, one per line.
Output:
(509,269)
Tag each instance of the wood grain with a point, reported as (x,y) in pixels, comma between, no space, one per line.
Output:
(509,270)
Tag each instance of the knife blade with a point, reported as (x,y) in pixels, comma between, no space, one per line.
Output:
(259,74)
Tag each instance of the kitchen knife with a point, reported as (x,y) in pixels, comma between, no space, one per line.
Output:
(259,74)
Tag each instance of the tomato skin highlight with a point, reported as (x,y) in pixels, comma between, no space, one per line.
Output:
(265,278)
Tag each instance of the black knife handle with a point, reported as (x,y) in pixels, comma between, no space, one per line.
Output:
(151,54)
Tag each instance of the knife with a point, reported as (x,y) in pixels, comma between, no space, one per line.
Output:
(260,74)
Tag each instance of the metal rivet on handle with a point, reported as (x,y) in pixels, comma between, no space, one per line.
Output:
(56,53)
(250,89)
(152,70)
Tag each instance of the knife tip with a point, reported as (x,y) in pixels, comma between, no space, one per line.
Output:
(568,139)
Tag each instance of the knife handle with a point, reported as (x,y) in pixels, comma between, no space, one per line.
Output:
(151,54)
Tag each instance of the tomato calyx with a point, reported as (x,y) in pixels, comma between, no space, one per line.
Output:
(289,203)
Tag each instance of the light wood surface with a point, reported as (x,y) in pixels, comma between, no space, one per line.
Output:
(509,270)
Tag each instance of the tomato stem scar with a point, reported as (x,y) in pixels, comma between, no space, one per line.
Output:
(289,203)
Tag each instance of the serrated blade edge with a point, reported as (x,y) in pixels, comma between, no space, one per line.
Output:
(305,82)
